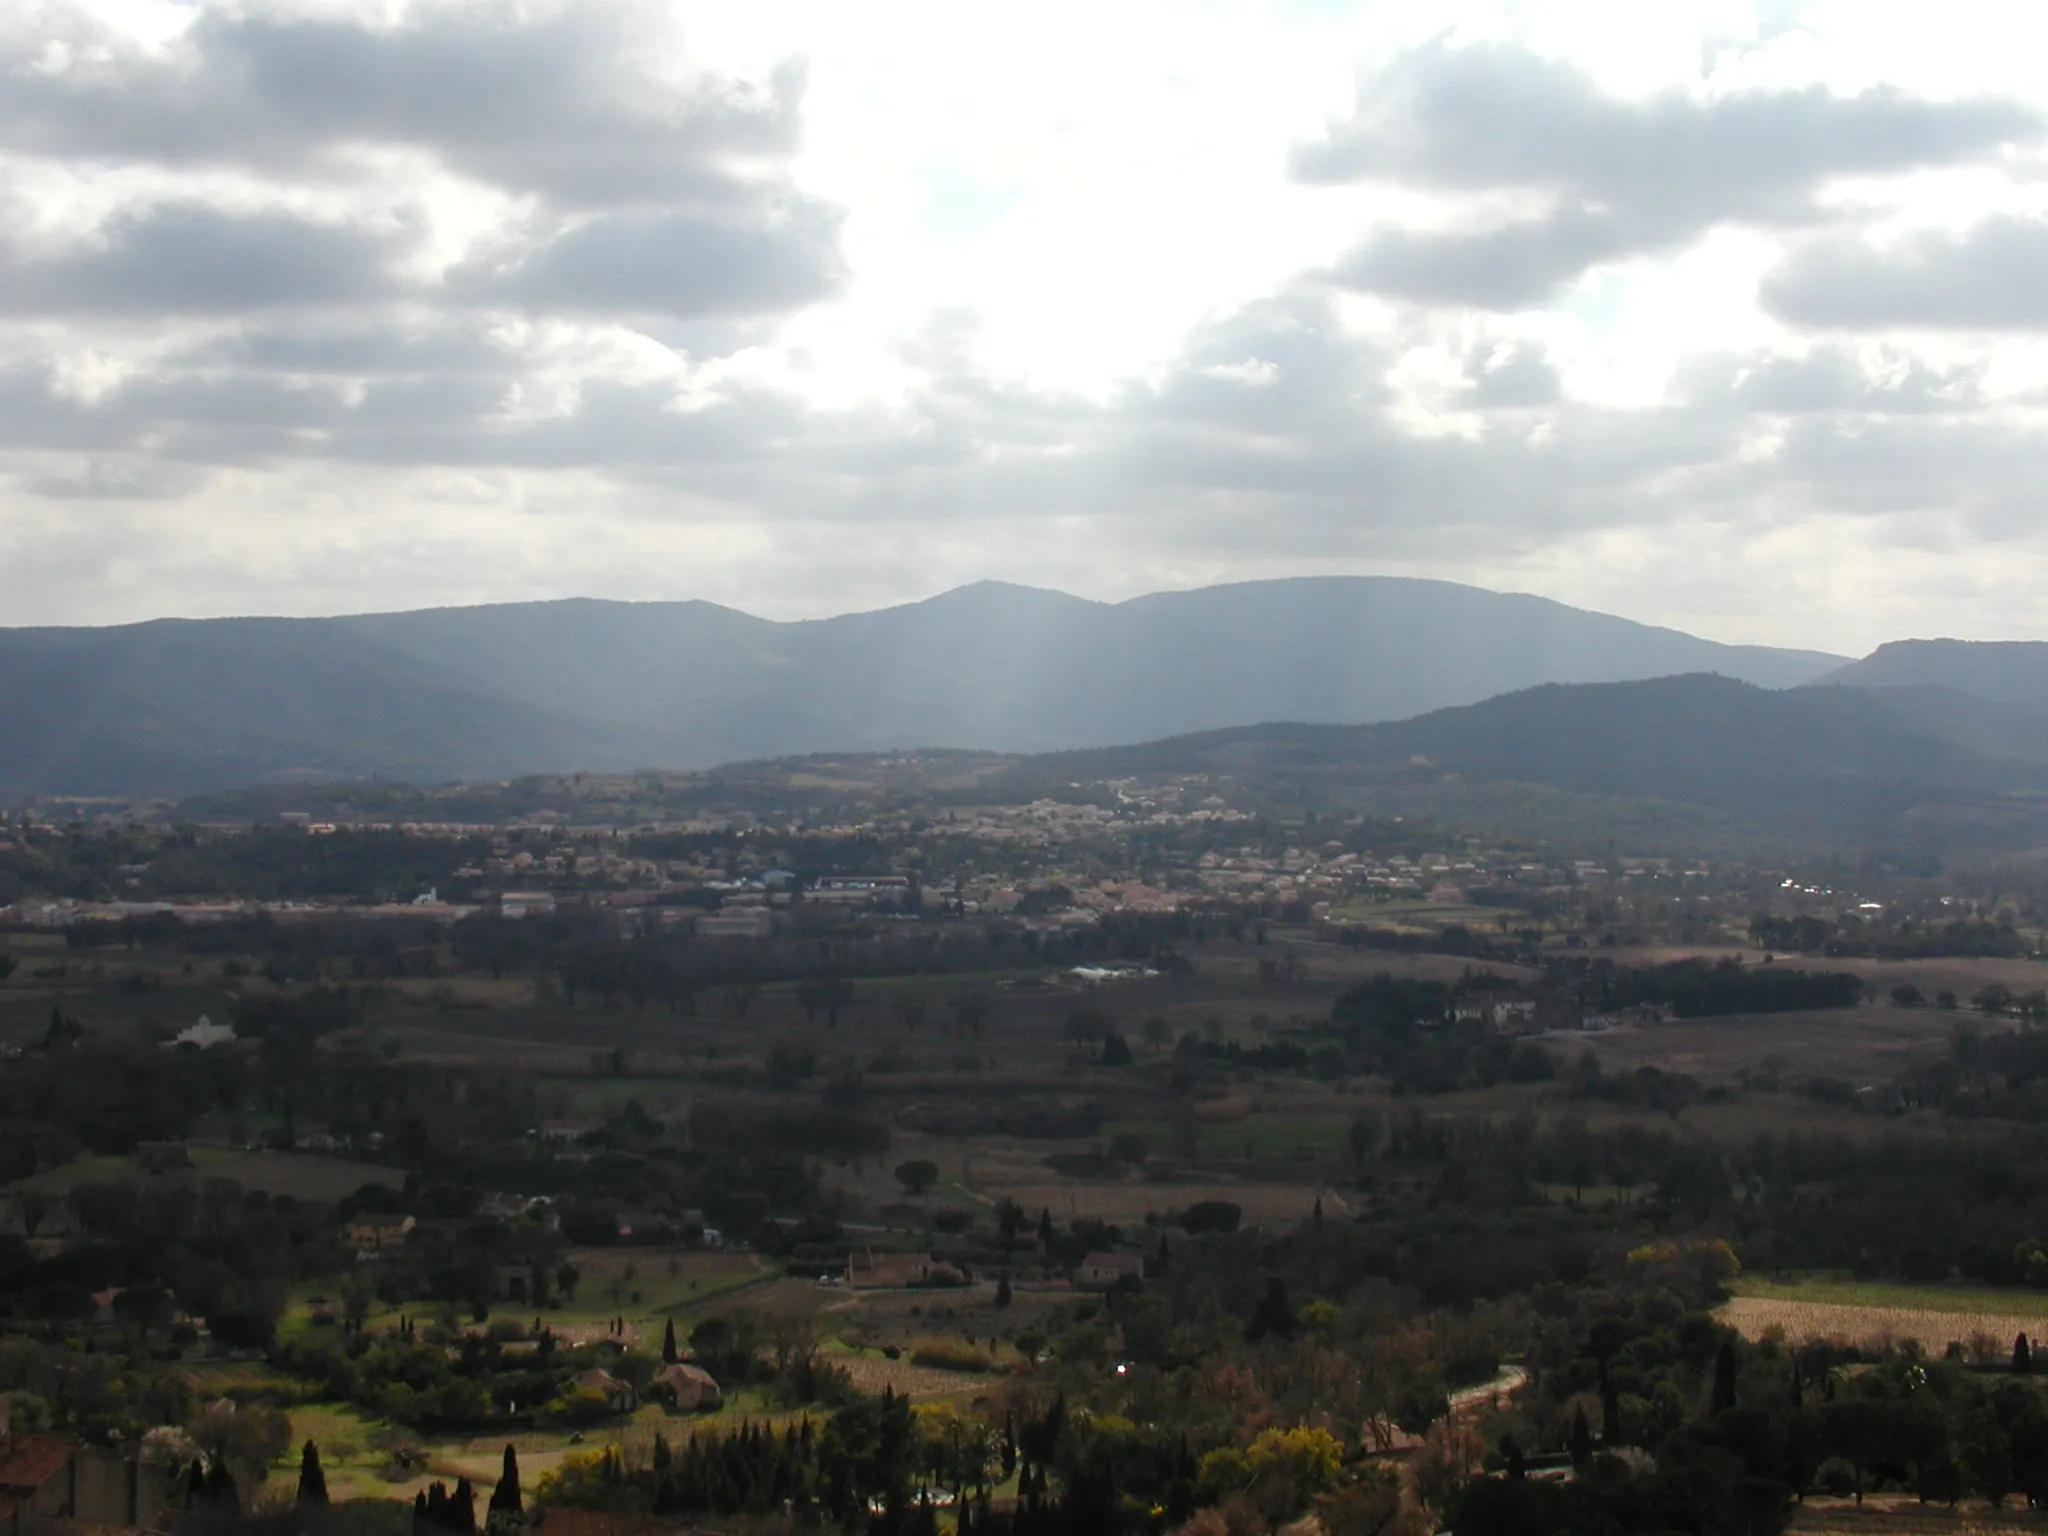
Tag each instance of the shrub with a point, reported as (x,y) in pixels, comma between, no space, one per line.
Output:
(950,1355)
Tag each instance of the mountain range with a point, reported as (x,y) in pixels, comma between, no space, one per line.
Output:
(1367,693)
(181,706)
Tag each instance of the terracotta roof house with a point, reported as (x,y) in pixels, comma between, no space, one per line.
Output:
(618,1394)
(38,1480)
(685,1387)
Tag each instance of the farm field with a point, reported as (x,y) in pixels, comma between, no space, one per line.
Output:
(1984,1335)
(1843,1292)
(1879,1516)
(302,1175)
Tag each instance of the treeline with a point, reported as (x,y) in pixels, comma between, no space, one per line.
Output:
(1673,1422)
(1855,938)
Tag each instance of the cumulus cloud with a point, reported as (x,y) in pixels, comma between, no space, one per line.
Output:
(307,288)
(580,103)
(671,263)
(188,258)
(1616,177)
(1984,278)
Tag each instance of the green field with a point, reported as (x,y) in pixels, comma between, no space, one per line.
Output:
(1255,1136)
(1841,1291)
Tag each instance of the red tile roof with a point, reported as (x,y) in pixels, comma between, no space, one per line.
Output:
(36,1460)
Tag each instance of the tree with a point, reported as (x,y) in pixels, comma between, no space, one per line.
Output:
(830,995)
(1045,1228)
(1158,1033)
(1003,1290)
(1085,1026)
(1116,1051)
(506,1505)
(1724,1379)
(668,1342)
(1986,1456)
(2022,1356)
(917,1175)
(312,1481)
(1582,1439)
(970,1012)
(565,1280)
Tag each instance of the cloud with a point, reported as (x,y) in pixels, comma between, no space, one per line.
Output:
(1829,379)
(1984,278)
(1617,177)
(672,263)
(1511,378)
(188,258)
(568,101)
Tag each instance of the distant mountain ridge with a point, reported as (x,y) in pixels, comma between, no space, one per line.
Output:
(177,706)
(2013,673)
(1829,766)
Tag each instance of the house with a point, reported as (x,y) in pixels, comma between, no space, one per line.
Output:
(527,904)
(887,1271)
(685,1387)
(567,1130)
(204,1035)
(373,1234)
(38,1480)
(513,1282)
(1108,1268)
(619,1395)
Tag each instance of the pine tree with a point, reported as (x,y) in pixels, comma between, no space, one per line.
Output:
(668,1343)
(312,1481)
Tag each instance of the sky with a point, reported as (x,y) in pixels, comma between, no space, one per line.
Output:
(1730,317)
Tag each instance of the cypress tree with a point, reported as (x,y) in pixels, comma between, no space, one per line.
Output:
(220,1488)
(1045,1228)
(1003,1290)
(462,1509)
(1724,1378)
(2022,1356)
(668,1343)
(505,1497)
(1610,1413)
(1582,1439)
(1798,1387)
(312,1481)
